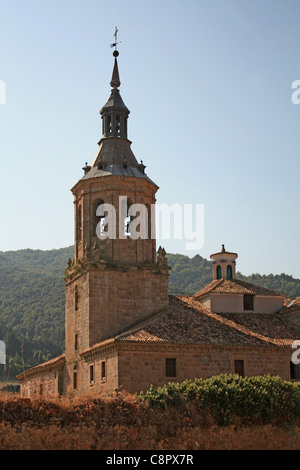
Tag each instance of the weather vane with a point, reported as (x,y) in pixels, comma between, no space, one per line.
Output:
(114,44)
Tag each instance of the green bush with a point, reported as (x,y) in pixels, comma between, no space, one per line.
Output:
(266,398)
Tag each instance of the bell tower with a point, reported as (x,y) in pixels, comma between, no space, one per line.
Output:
(115,181)
(115,278)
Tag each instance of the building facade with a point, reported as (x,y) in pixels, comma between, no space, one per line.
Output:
(122,329)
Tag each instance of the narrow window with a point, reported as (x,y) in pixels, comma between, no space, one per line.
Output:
(76,298)
(248,302)
(294,371)
(127,221)
(148,215)
(170,367)
(118,124)
(219,272)
(229,272)
(60,384)
(108,125)
(91,373)
(76,342)
(103,370)
(41,389)
(79,224)
(239,367)
(75,379)
(100,220)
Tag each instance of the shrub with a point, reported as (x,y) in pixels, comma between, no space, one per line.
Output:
(265,398)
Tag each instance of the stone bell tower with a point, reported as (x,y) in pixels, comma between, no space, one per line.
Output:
(115,278)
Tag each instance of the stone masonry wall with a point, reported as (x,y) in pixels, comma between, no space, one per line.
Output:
(141,366)
(44,384)
(119,298)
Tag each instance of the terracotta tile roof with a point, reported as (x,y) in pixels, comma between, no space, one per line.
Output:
(187,321)
(291,305)
(286,301)
(234,286)
(57,362)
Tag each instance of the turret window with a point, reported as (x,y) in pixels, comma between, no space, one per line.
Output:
(219,272)
(229,272)
(108,129)
(118,124)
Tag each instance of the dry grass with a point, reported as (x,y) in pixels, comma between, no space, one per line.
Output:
(121,422)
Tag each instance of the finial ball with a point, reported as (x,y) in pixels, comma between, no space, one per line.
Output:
(115,53)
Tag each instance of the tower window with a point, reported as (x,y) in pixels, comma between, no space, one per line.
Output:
(76,342)
(118,124)
(79,224)
(170,367)
(100,219)
(219,272)
(92,374)
(108,125)
(76,298)
(75,378)
(229,272)
(248,302)
(103,370)
(148,214)
(127,221)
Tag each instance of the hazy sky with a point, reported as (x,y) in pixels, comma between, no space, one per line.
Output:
(209,87)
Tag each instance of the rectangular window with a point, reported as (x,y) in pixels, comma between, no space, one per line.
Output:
(294,371)
(76,342)
(103,370)
(91,373)
(248,302)
(74,380)
(239,367)
(170,367)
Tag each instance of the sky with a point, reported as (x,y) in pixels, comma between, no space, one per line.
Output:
(209,88)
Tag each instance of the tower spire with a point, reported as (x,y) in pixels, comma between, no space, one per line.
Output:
(115,79)
(114,155)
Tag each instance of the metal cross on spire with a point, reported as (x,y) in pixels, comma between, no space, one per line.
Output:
(114,44)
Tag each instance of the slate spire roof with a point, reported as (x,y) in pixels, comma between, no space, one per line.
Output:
(114,156)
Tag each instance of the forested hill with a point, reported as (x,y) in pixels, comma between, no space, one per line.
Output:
(32,296)
(188,275)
